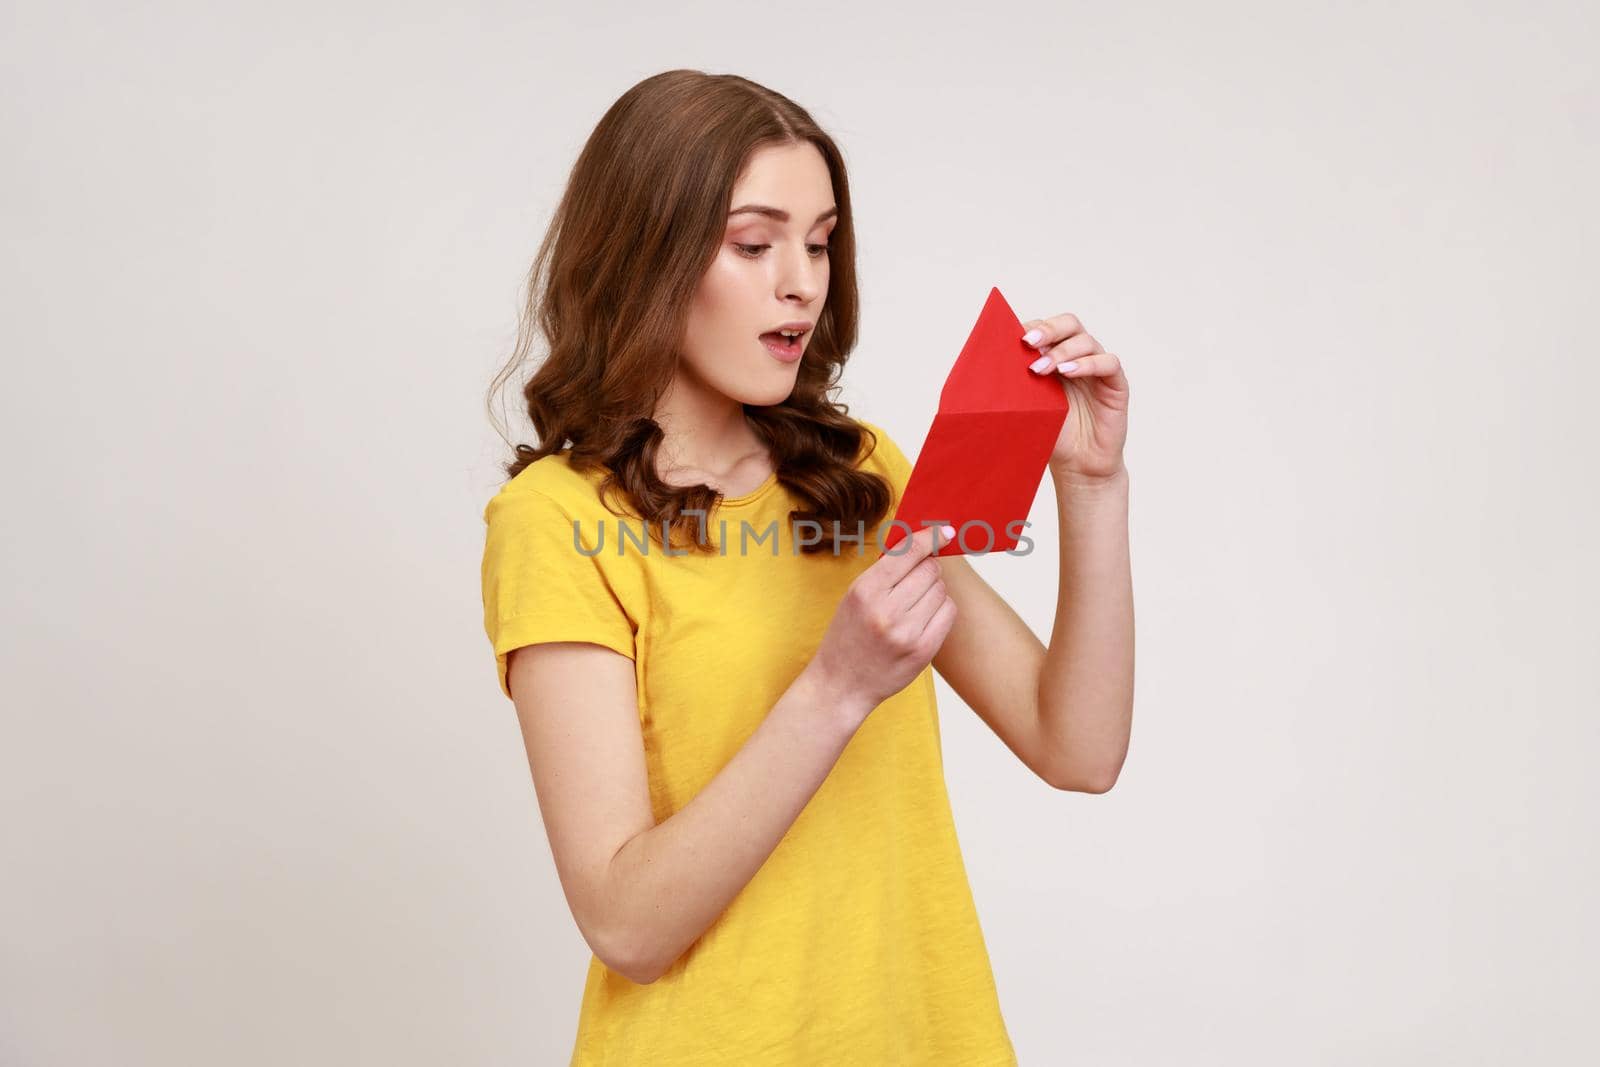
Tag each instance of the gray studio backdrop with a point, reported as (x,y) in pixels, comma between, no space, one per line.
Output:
(261,801)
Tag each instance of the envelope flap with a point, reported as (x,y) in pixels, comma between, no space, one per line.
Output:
(991,373)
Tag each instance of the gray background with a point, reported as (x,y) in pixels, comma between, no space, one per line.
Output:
(261,801)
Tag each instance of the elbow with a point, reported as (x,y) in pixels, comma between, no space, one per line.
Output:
(1092,780)
(623,944)
(1097,785)
(641,969)
(628,955)
(1077,785)
(638,975)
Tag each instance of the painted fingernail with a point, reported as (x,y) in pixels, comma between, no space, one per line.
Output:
(947,531)
(1039,364)
(1063,368)
(1032,337)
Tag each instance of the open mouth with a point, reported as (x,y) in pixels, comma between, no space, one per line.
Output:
(782,344)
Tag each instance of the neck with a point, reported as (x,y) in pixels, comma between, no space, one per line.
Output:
(704,430)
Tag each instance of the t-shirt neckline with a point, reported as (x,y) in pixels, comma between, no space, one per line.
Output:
(753,495)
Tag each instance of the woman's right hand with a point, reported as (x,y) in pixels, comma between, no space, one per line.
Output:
(889,624)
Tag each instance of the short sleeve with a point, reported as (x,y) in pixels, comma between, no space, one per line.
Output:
(537,584)
(889,455)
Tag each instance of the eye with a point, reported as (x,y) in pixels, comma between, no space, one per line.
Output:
(754,251)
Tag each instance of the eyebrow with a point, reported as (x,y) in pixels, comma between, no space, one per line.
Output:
(778,212)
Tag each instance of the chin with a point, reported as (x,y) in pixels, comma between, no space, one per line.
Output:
(767,397)
(762,390)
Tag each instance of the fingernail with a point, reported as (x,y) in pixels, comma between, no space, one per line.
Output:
(1039,364)
(1063,368)
(1032,336)
(947,531)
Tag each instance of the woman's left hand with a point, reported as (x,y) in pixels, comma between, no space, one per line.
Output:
(1089,449)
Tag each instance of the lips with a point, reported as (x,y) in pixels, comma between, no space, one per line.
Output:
(785,348)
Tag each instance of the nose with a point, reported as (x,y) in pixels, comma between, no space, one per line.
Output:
(802,276)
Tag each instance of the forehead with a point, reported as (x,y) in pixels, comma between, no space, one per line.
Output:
(792,177)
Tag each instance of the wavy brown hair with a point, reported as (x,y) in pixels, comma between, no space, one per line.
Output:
(642,217)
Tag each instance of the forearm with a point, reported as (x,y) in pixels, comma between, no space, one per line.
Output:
(1085,689)
(668,884)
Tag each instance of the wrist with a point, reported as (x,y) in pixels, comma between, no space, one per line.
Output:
(839,703)
(1090,485)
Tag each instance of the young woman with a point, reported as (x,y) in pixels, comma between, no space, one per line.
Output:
(724,684)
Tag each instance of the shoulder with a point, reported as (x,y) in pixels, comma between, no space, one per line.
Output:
(551,514)
(551,483)
(547,517)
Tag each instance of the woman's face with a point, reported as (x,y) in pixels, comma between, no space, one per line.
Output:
(771,269)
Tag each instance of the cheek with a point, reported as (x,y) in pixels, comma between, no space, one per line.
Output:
(721,301)
(728,272)
(729,283)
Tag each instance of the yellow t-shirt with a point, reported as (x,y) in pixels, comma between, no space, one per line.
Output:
(857,941)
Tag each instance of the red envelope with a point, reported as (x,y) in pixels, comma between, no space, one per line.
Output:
(986,453)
